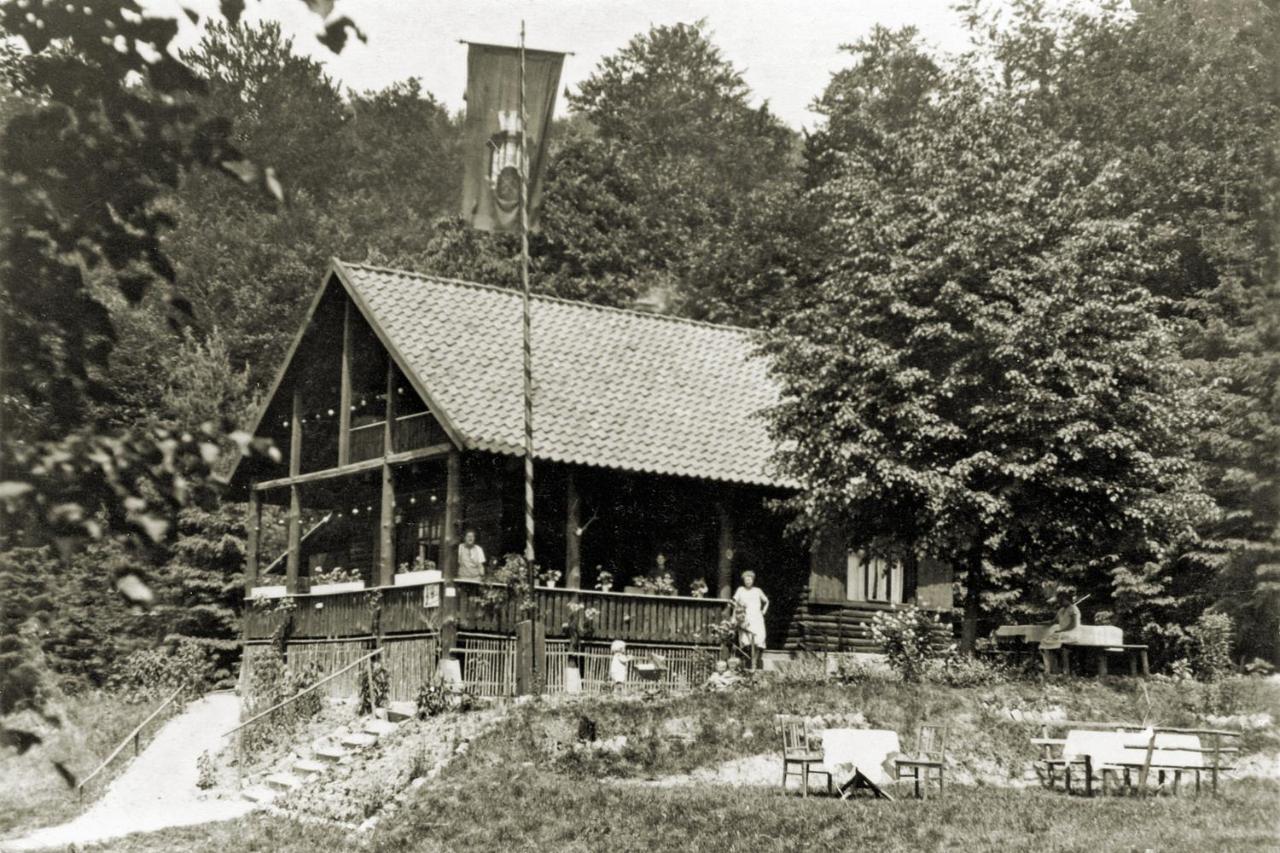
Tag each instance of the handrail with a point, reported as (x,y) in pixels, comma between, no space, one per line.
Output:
(303,692)
(132,736)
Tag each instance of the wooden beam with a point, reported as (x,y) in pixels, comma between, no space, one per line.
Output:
(387,530)
(418,455)
(572,531)
(295,500)
(724,561)
(253,526)
(295,541)
(344,391)
(452,515)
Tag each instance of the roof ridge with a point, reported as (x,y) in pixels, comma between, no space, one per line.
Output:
(728,327)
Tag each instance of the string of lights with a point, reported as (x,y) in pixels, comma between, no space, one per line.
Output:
(332,412)
(427,499)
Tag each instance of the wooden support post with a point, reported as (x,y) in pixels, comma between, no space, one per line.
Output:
(531,653)
(449,606)
(344,392)
(572,532)
(724,563)
(253,526)
(294,559)
(387,528)
(452,515)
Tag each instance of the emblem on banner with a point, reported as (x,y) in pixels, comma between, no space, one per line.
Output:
(504,161)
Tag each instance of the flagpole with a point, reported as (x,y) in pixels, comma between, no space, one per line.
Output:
(527,321)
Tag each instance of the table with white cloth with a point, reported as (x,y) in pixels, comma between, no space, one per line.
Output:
(862,757)
(1127,750)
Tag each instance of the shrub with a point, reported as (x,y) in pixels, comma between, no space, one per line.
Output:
(1210,647)
(435,697)
(206,775)
(906,636)
(143,676)
(375,688)
(956,670)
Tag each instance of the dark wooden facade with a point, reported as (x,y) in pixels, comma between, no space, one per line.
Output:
(374,480)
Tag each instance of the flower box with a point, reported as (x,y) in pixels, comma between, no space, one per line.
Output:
(418,578)
(267,592)
(334,588)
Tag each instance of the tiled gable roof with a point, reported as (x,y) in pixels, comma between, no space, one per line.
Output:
(612,388)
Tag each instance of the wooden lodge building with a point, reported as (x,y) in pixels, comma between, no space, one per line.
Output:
(398,412)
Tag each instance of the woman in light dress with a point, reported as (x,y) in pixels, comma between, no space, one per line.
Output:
(752,603)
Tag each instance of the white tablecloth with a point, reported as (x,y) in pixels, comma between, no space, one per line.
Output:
(867,750)
(1171,749)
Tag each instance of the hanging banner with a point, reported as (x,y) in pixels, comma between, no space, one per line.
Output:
(492,132)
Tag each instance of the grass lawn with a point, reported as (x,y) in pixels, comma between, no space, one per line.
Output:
(32,794)
(515,789)
(535,810)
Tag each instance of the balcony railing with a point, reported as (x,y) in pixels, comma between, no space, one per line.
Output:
(408,609)
(412,432)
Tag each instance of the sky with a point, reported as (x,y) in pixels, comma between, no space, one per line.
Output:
(786,51)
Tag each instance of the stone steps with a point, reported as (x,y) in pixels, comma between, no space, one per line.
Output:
(359,740)
(259,794)
(284,781)
(329,751)
(400,711)
(380,728)
(305,768)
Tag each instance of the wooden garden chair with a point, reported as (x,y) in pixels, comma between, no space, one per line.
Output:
(799,752)
(930,755)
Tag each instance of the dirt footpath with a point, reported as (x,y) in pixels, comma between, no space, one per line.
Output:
(158,790)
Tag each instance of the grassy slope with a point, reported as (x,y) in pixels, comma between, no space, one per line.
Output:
(32,793)
(507,794)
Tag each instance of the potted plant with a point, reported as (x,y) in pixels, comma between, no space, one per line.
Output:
(581,624)
(699,588)
(268,591)
(335,580)
(548,577)
(421,572)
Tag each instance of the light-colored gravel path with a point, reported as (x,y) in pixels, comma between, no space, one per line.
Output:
(158,789)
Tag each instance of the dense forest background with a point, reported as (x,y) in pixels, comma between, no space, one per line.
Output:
(1024,298)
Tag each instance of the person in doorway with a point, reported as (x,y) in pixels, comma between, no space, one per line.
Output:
(470,557)
(754,605)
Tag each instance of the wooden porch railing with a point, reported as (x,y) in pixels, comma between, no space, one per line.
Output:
(133,736)
(619,616)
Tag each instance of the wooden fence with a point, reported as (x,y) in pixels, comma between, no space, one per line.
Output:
(332,656)
(410,662)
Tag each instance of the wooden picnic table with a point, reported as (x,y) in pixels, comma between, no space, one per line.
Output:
(1139,752)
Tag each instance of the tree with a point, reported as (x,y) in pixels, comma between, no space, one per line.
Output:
(1183,99)
(983,373)
(675,171)
(112,119)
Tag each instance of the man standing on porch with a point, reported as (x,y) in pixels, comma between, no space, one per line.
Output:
(470,558)
(754,604)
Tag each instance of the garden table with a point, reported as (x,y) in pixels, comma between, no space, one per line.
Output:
(863,757)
